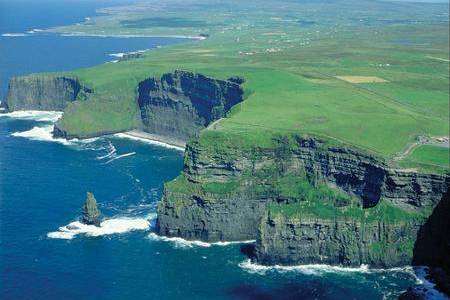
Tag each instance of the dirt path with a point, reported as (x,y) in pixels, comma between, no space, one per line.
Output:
(436,141)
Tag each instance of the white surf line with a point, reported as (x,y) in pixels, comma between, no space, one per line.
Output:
(183,243)
(318,269)
(148,141)
(18,34)
(44,133)
(35,30)
(41,133)
(120,156)
(122,54)
(192,37)
(107,227)
(36,115)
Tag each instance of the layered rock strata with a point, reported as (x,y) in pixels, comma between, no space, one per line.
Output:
(180,104)
(192,210)
(43,92)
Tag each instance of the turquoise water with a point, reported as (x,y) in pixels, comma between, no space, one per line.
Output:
(43,184)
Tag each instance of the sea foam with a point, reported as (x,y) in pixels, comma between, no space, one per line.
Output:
(111,151)
(44,134)
(119,156)
(182,243)
(41,133)
(36,115)
(317,269)
(118,225)
(421,274)
(14,34)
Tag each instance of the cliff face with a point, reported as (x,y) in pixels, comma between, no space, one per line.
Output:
(176,106)
(225,195)
(180,104)
(43,92)
(283,240)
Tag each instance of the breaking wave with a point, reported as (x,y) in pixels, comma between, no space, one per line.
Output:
(118,225)
(111,151)
(182,243)
(119,157)
(178,242)
(44,134)
(34,30)
(14,34)
(122,54)
(35,115)
(421,274)
(316,269)
(41,133)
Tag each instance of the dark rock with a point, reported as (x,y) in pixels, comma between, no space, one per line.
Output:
(418,292)
(91,214)
(194,214)
(237,79)
(178,105)
(131,55)
(348,242)
(43,92)
(432,247)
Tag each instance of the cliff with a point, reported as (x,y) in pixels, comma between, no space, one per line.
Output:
(304,199)
(179,104)
(346,241)
(43,92)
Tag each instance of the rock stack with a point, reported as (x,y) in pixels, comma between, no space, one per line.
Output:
(91,214)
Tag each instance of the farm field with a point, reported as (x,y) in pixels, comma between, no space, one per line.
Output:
(305,70)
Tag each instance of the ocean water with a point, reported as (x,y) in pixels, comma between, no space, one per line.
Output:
(45,253)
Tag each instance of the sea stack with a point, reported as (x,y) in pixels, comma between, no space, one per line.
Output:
(91,214)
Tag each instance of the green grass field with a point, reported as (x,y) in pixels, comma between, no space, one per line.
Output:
(290,54)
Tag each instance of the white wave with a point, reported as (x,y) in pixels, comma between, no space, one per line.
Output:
(178,242)
(111,151)
(147,141)
(14,34)
(79,33)
(421,274)
(225,243)
(107,227)
(119,156)
(119,55)
(122,54)
(316,269)
(34,30)
(36,115)
(41,133)
(44,134)
(182,243)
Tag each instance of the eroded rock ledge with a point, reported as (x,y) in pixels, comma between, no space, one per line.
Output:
(240,194)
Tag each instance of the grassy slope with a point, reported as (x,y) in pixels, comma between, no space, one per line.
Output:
(294,89)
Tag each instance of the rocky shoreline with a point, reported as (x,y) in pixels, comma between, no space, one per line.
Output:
(368,212)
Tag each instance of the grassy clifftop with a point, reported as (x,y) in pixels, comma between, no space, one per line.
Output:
(375,78)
